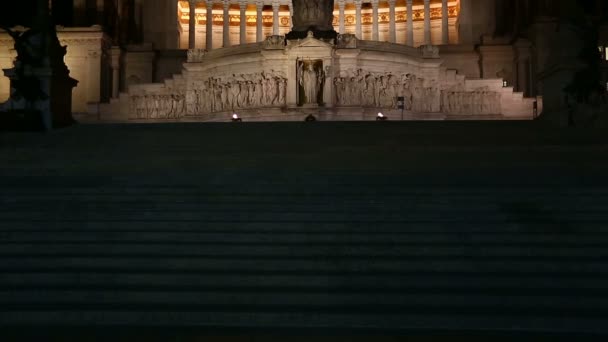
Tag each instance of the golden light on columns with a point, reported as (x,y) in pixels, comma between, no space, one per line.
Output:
(260,24)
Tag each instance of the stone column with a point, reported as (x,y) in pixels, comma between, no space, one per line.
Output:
(523,50)
(139,20)
(80,12)
(392,29)
(209,26)
(243,30)
(171,31)
(342,27)
(100,12)
(375,19)
(275,18)
(410,23)
(427,22)
(192,25)
(358,30)
(115,66)
(445,33)
(226,31)
(93,78)
(465,22)
(259,34)
(290,13)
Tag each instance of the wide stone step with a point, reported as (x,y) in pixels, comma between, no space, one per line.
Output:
(347,321)
(233,300)
(426,282)
(478,225)
(312,215)
(360,252)
(547,237)
(321,204)
(255,263)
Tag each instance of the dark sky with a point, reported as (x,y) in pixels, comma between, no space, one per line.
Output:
(22,12)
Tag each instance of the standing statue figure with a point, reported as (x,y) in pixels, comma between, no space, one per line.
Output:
(310,81)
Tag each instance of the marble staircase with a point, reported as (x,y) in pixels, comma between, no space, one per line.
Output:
(305,227)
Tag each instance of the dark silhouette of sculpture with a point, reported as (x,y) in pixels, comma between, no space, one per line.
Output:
(25,85)
(40,80)
(574,91)
(313,15)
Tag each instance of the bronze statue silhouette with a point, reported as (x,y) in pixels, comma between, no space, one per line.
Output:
(314,15)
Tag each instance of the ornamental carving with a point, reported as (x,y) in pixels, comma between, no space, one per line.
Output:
(196,55)
(274,43)
(347,41)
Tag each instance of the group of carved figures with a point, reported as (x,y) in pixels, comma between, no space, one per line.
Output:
(242,91)
(479,101)
(158,106)
(352,88)
(381,90)
(216,94)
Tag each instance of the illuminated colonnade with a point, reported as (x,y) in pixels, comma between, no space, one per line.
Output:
(216,24)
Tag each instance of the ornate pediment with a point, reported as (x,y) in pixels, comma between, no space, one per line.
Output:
(309,42)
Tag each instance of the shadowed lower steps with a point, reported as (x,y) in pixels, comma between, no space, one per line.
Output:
(224,228)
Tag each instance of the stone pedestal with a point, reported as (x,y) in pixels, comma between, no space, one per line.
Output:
(55,103)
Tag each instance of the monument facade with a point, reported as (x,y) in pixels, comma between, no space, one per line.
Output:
(161,43)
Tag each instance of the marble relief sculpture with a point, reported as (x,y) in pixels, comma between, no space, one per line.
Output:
(216,94)
(380,90)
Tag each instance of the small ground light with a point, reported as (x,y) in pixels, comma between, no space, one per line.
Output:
(381,117)
(235,118)
(505,84)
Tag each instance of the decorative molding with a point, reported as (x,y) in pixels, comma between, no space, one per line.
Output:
(80,41)
(350,19)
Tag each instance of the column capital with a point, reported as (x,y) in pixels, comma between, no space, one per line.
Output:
(276,4)
(341,3)
(226,4)
(375,3)
(209,4)
(427,2)
(358,3)
(259,5)
(410,2)
(392,3)
(243,3)
(193,2)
